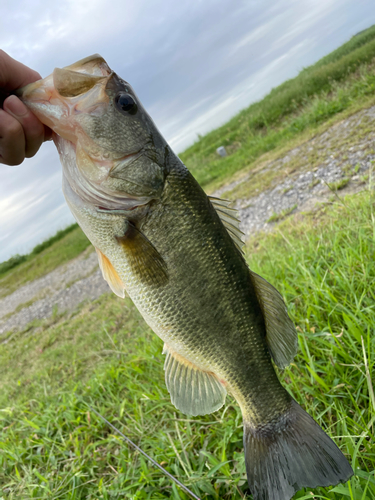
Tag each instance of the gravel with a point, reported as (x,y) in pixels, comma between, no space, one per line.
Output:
(51,283)
(67,299)
(63,289)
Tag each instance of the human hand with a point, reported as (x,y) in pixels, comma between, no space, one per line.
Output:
(21,133)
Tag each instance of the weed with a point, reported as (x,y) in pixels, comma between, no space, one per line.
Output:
(332,85)
(284,213)
(339,184)
(314,182)
(53,446)
(36,265)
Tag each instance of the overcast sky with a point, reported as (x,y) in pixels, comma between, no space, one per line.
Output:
(194,64)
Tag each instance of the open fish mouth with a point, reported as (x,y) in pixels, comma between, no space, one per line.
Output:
(97,124)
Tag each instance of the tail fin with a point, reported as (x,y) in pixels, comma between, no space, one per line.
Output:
(286,455)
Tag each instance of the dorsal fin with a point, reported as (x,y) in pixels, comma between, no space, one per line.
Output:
(229,217)
(281,334)
(192,390)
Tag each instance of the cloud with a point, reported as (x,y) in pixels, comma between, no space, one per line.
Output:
(193,64)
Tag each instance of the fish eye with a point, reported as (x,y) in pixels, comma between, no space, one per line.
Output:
(126,103)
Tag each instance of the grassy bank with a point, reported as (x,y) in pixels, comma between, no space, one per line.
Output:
(55,251)
(19,259)
(53,446)
(334,84)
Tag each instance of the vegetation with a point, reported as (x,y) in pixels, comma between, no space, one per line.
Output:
(58,250)
(284,213)
(334,84)
(338,82)
(337,185)
(50,241)
(9,264)
(18,259)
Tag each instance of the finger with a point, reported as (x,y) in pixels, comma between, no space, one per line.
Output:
(13,74)
(47,133)
(32,127)
(12,140)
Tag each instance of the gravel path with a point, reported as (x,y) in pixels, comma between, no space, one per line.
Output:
(343,154)
(51,283)
(52,293)
(67,299)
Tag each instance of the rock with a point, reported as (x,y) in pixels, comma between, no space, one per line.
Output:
(221,151)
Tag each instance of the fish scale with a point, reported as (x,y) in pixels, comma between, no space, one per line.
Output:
(178,255)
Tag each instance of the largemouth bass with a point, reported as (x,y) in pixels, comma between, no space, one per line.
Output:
(177,253)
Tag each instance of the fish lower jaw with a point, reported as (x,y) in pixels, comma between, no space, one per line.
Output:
(129,207)
(126,207)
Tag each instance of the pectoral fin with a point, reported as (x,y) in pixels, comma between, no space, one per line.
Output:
(193,391)
(145,261)
(110,275)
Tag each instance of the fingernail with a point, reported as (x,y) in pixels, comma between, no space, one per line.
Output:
(15,107)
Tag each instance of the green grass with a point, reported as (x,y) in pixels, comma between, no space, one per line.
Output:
(280,216)
(334,84)
(270,170)
(18,259)
(56,237)
(58,250)
(52,446)
(337,185)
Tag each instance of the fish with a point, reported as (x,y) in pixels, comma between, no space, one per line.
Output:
(178,254)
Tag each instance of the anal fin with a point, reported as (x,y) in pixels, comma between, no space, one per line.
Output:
(110,275)
(193,391)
